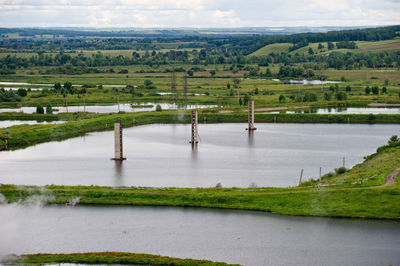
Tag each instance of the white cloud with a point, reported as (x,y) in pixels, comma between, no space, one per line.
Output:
(197,13)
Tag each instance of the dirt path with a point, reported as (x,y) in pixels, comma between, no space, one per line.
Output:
(391,178)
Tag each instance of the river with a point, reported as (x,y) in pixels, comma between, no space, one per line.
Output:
(160,155)
(248,238)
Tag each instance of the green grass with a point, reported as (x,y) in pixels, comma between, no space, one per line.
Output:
(272,48)
(108,258)
(386,45)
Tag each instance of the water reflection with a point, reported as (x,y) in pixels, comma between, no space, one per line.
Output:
(119,172)
(194,150)
(250,139)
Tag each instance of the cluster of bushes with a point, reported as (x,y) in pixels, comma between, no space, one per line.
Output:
(393,142)
(295,72)
(375,90)
(41,110)
(9,96)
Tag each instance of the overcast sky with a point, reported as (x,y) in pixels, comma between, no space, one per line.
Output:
(197,13)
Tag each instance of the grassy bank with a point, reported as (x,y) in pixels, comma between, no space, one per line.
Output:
(378,203)
(25,135)
(108,258)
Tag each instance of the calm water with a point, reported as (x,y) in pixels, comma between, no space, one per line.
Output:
(161,156)
(248,238)
(306,82)
(107,108)
(9,123)
(350,110)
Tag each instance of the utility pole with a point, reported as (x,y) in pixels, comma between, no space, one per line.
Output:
(185,89)
(173,87)
(118,99)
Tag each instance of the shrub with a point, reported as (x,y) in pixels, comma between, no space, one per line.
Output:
(39,109)
(340,170)
(158,108)
(22,92)
(49,109)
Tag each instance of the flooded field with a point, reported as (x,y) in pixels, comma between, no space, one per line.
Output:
(109,108)
(349,110)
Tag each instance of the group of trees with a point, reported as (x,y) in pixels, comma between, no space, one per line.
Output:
(41,110)
(218,50)
(89,63)
(295,72)
(9,96)
(375,90)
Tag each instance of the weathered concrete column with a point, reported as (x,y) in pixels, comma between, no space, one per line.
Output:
(301,176)
(251,116)
(118,142)
(195,134)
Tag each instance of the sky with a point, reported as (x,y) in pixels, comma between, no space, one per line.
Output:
(197,13)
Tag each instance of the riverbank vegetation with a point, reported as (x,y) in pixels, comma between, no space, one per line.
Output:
(107,258)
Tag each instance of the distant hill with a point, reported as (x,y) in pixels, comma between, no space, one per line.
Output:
(386,45)
(163,32)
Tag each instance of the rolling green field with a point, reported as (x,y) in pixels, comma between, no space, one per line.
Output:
(386,45)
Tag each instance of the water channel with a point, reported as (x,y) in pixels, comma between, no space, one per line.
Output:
(244,237)
(145,107)
(306,82)
(348,110)
(160,155)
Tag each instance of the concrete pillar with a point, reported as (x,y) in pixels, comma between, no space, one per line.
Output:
(301,176)
(320,174)
(195,134)
(118,142)
(251,116)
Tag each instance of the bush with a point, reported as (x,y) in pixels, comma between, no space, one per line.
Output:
(39,109)
(158,108)
(22,92)
(340,170)
(49,109)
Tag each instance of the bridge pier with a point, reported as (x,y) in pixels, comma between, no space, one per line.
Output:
(195,134)
(251,116)
(119,156)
